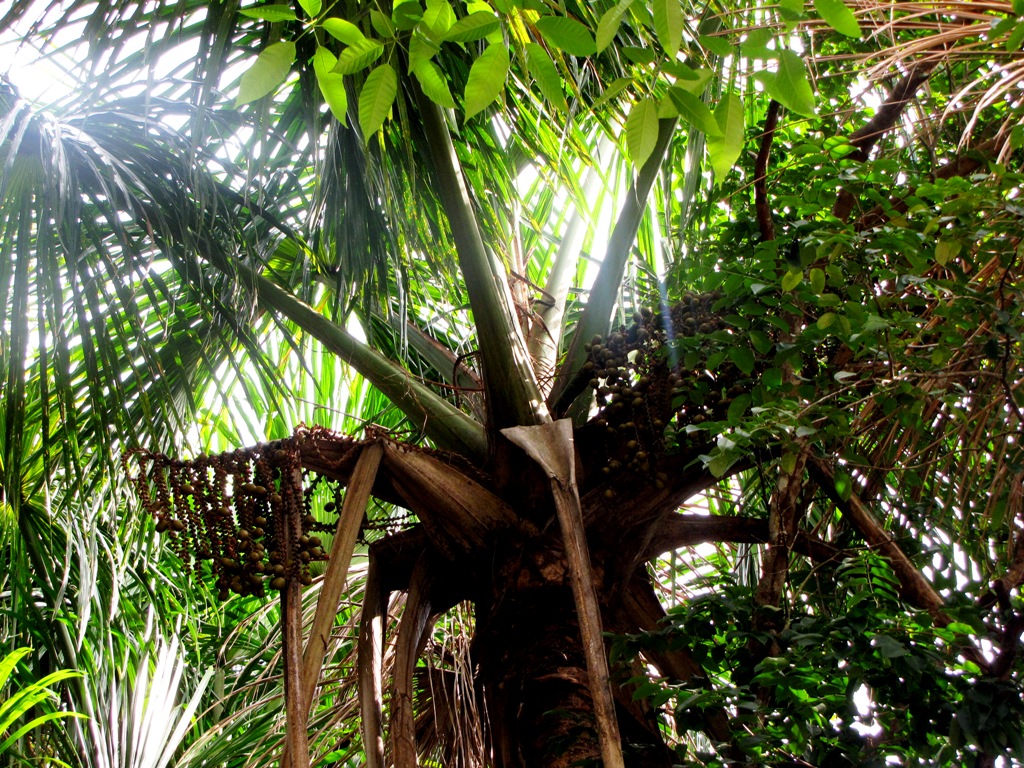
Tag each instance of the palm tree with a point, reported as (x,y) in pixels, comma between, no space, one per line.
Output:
(541,440)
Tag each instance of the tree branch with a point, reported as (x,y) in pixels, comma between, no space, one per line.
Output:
(761,204)
(865,137)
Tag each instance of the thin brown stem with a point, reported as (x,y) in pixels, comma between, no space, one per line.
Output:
(762,206)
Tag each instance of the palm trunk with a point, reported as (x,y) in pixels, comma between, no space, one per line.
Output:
(533,673)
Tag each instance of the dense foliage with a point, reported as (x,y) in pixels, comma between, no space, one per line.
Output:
(764,260)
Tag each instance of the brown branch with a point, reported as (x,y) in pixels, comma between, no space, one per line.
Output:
(679,530)
(960,166)
(783,519)
(412,631)
(371,664)
(865,137)
(915,588)
(296,746)
(353,511)
(763,208)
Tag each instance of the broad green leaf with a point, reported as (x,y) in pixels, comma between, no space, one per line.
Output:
(543,71)
(608,26)
(791,88)
(406,14)
(668,24)
(755,46)
(332,85)
(270,13)
(839,17)
(817,280)
(826,321)
(1018,7)
(567,35)
(476,26)
(375,100)
(266,73)
(311,7)
(792,279)
(1015,38)
(946,250)
(695,111)
(438,18)
(486,79)
(642,131)
(716,45)
(359,56)
(421,48)
(690,80)
(762,341)
(382,24)
(721,462)
(793,6)
(343,30)
(433,84)
(724,150)
(737,408)
(743,358)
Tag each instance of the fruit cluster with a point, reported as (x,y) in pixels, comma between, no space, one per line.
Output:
(643,385)
(244,513)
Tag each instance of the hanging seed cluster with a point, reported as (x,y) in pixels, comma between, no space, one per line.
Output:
(243,515)
(641,390)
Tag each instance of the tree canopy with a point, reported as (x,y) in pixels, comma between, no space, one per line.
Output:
(622,383)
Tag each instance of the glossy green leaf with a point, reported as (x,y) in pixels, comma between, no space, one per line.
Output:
(486,79)
(543,71)
(743,358)
(343,30)
(690,80)
(421,48)
(839,17)
(332,84)
(567,35)
(359,56)
(792,279)
(790,86)
(945,250)
(375,99)
(608,26)
(434,85)
(270,69)
(476,26)
(737,408)
(311,7)
(406,14)
(668,25)
(438,18)
(716,45)
(724,150)
(694,111)
(720,463)
(826,321)
(642,131)
(817,280)
(382,24)
(270,13)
